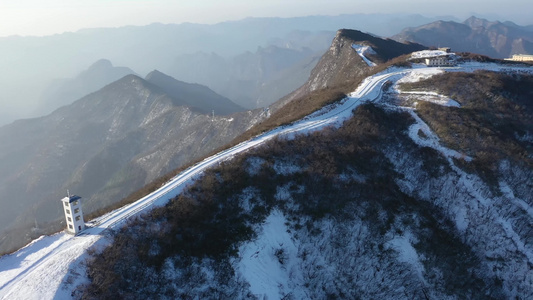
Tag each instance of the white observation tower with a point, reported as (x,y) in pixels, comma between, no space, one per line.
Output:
(73,213)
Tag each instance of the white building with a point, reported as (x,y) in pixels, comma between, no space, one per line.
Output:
(521,57)
(73,214)
(440,61)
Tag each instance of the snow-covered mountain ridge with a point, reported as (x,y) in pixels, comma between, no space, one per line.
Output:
(437,231)
(386,255)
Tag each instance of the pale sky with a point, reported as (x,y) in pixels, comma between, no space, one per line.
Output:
(46,17)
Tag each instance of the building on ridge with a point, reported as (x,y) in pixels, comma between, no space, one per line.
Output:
(73,214)
(521,57)
(440,61)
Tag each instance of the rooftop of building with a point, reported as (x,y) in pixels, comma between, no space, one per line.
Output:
(71,198)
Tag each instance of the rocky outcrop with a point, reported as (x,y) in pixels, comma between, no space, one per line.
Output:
(341,65)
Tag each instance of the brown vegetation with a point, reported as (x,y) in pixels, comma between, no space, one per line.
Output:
(209,221)
(496,109)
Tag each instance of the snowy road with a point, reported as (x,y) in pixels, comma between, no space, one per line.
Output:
(38,270)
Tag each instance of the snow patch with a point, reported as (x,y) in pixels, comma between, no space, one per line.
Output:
(508,193)
(285,167)
(37,273)
(433,98)
(270,264)
(350,175)
(407,253)
(420,74)
(429,53)
(283,193)
(246,199)
(363,51)
(254,165)
(430,140)
(461,219)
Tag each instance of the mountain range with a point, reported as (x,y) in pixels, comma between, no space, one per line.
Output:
(132,131)
(65,91)
(193,95)
(255,79)
(492,38)
(424,192)
(402,182)
(39,61)
(107,145)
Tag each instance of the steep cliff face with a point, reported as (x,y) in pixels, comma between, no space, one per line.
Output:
(342,66)
(338,65)
(104,146)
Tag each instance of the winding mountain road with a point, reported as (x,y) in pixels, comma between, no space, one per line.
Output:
(41,269)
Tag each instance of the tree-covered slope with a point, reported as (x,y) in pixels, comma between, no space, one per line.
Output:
(406,199)
(369,211)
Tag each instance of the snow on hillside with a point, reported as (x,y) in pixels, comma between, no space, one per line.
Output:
(429,53)
(363,51)
(430,140)
(479,215)
(433,98)
(423,95)
(270,264)
(46,268)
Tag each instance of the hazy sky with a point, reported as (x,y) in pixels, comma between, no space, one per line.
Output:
(45,17)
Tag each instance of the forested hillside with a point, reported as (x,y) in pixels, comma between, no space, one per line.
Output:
(372,209)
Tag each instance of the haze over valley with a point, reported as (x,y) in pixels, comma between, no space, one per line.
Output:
(340,151)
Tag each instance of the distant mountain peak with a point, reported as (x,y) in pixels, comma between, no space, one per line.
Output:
(192,94)
(66,91)
(133,78)
(475,22)
(477,35)
(157,74)
(101,64)
(386,49)
(354,34)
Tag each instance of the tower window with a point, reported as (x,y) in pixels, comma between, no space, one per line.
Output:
(77,218)
(66,204)
(69,219)
(75,202)
(68,211)
(70,226)
(76,210)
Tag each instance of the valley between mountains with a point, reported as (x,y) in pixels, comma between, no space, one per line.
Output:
(330,251)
